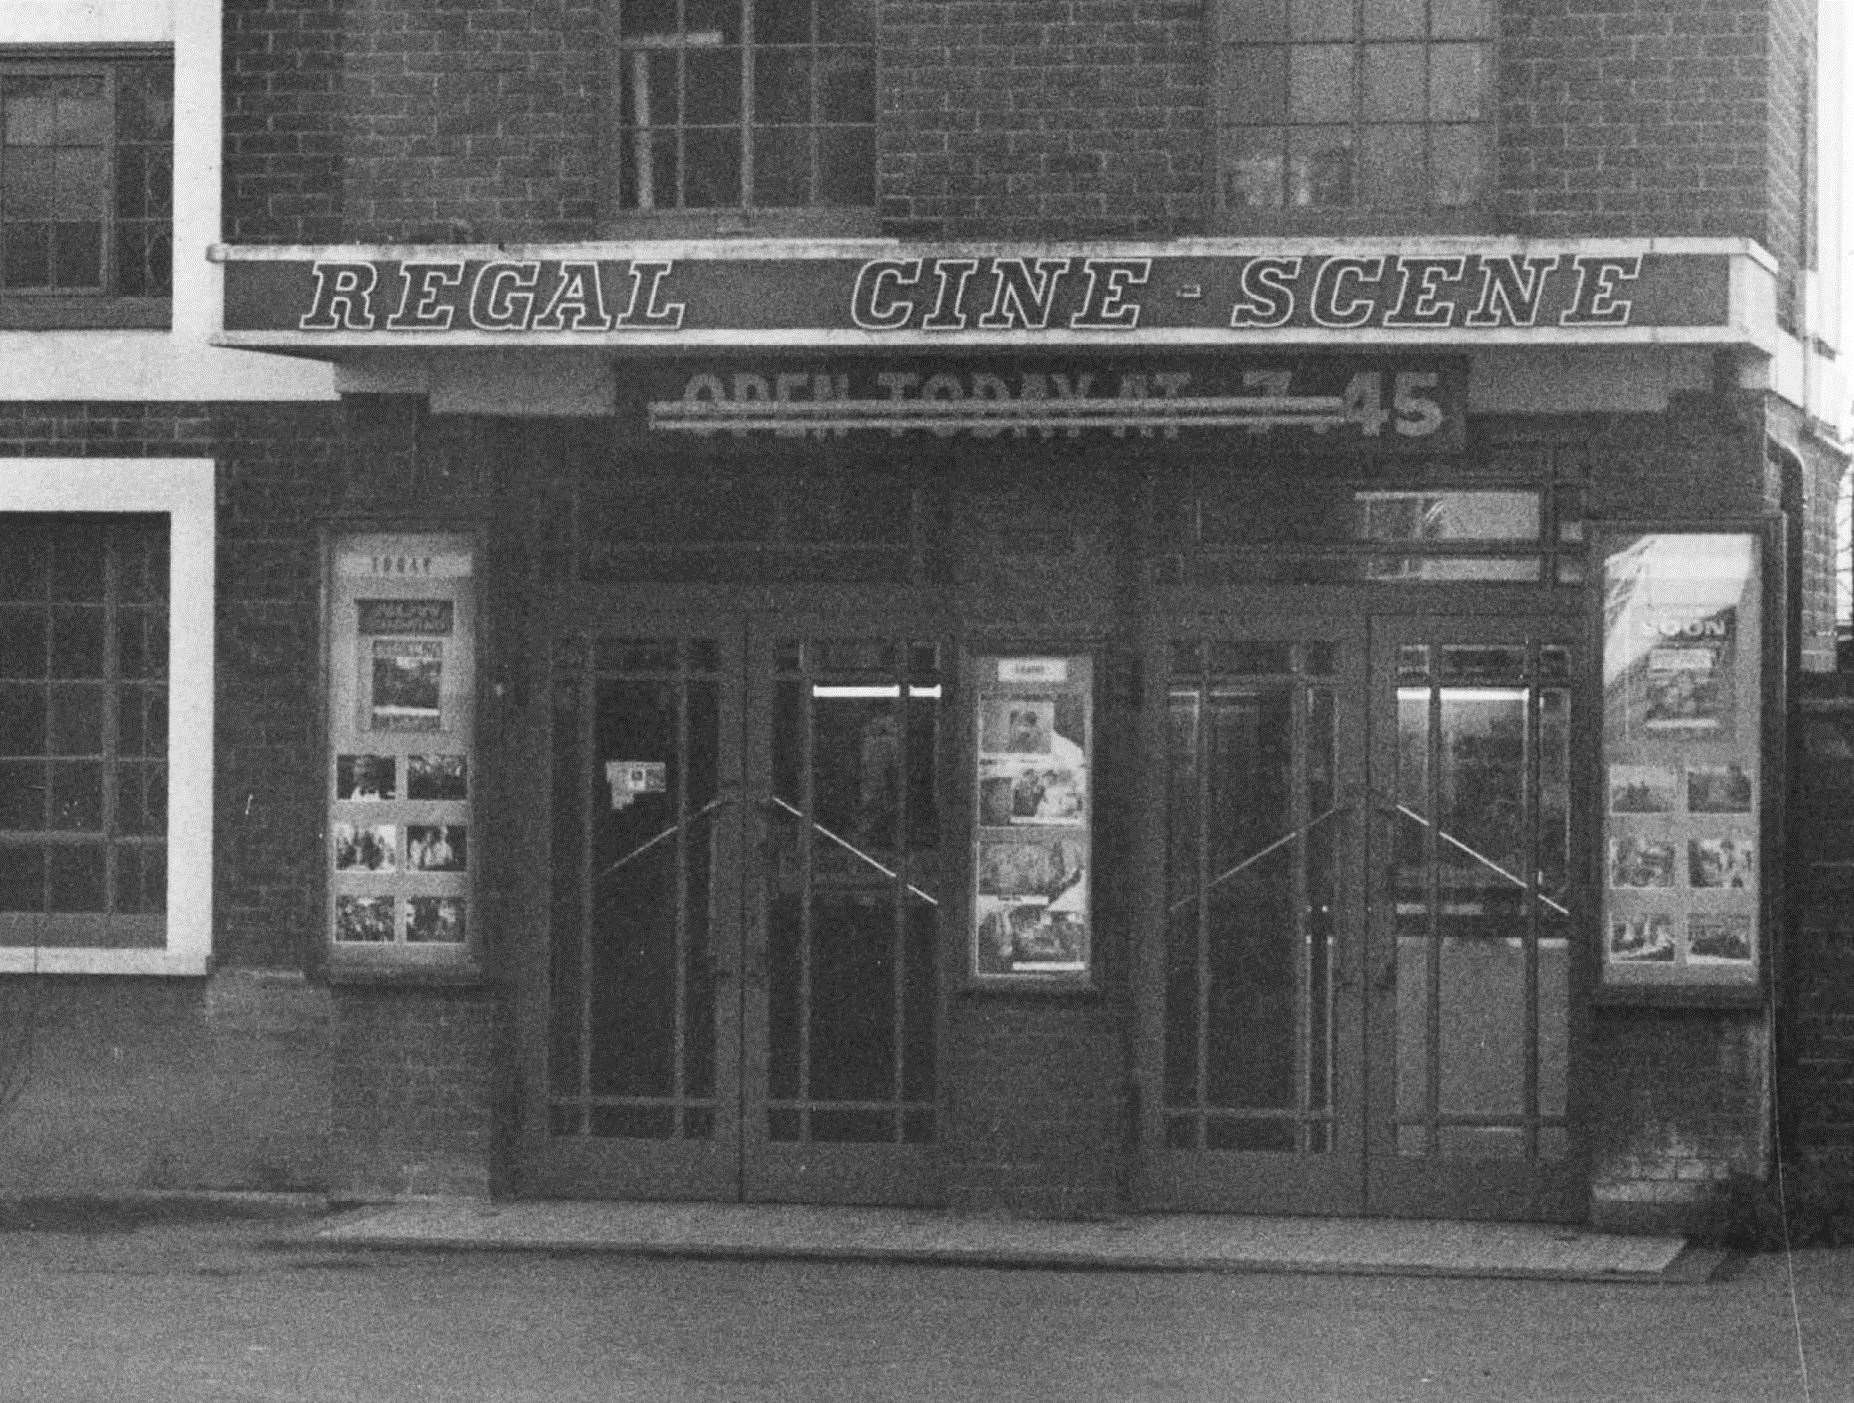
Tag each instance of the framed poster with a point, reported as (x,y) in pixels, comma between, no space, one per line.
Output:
(401,737)
(1683,721)
(1033,724)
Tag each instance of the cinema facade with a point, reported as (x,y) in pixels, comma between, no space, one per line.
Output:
(1222,725)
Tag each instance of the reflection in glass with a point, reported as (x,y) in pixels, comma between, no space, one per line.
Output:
(1481,907)
(852,892)
(1251,884)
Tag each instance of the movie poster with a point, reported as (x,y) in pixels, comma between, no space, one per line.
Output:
(407,683)
(1031,898)
(1683,708)
(401,668)
(1688,685)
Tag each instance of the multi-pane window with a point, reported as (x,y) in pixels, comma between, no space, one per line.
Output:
(745,104)
(83,729)
(86,177)
(1354,105)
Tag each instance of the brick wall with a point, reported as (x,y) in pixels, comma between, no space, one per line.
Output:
(413,1090)
(163,1083)
(1043,118)
(1621,117)
(1038,1120)
(1817,1048)
(1678,1102)
(466,120)
(282,70)
(1790,46)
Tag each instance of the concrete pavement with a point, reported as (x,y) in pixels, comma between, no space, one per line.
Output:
(255,1310)
(1146,1242)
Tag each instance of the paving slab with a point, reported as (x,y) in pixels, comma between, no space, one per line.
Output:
(1171,1241)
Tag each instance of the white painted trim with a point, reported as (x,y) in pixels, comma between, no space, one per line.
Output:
(1362,339)
(90,21)
(182,489)
(696,250)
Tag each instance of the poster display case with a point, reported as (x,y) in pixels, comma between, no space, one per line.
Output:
(401,716)
(1683,726)
(1033,728)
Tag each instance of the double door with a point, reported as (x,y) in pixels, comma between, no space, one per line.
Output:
(747,885)
(1350,976)
(1358,999)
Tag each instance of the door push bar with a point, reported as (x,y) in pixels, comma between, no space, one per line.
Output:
(1292,835)
(850,848)
(669,832)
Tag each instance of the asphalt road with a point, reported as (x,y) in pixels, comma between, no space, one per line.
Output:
(217,1312)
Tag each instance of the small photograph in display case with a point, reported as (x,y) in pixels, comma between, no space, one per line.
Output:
(364,919)
(365,777)
(1043,869)
(1641,862)
(361,847)
(437,847)
(407,684)
(437,777)
(1055,727)
(1719,937)
(1642,789)
(435,920)
(1030,935)
(1718,789)
(1729,862)
(1011,791)
(1017,726)
(1649,936)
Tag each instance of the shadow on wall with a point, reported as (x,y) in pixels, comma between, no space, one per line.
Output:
(110,1084)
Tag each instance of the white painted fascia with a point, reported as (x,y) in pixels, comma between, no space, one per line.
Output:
(90,21)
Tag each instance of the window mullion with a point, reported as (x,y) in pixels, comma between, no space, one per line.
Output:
(814,139)
(748,47)
(106,222)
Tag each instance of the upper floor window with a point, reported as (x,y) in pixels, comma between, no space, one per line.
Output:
(86,178)
(745,105)
(1353,106)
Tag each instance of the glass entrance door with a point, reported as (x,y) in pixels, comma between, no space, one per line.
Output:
(1360,997)
(1252,1039)
(1472,921)
(743,997)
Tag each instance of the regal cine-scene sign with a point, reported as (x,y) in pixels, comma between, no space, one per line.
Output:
(876,293)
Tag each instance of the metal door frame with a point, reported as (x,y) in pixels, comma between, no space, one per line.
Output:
(740,1161)
(1435,1186)
(1244,1181)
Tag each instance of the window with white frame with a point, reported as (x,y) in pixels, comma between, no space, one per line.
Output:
(106,715)
(743,105)
(86,179)
(1353,106)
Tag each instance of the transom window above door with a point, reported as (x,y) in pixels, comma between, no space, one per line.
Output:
(1370,107)
(742,107)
